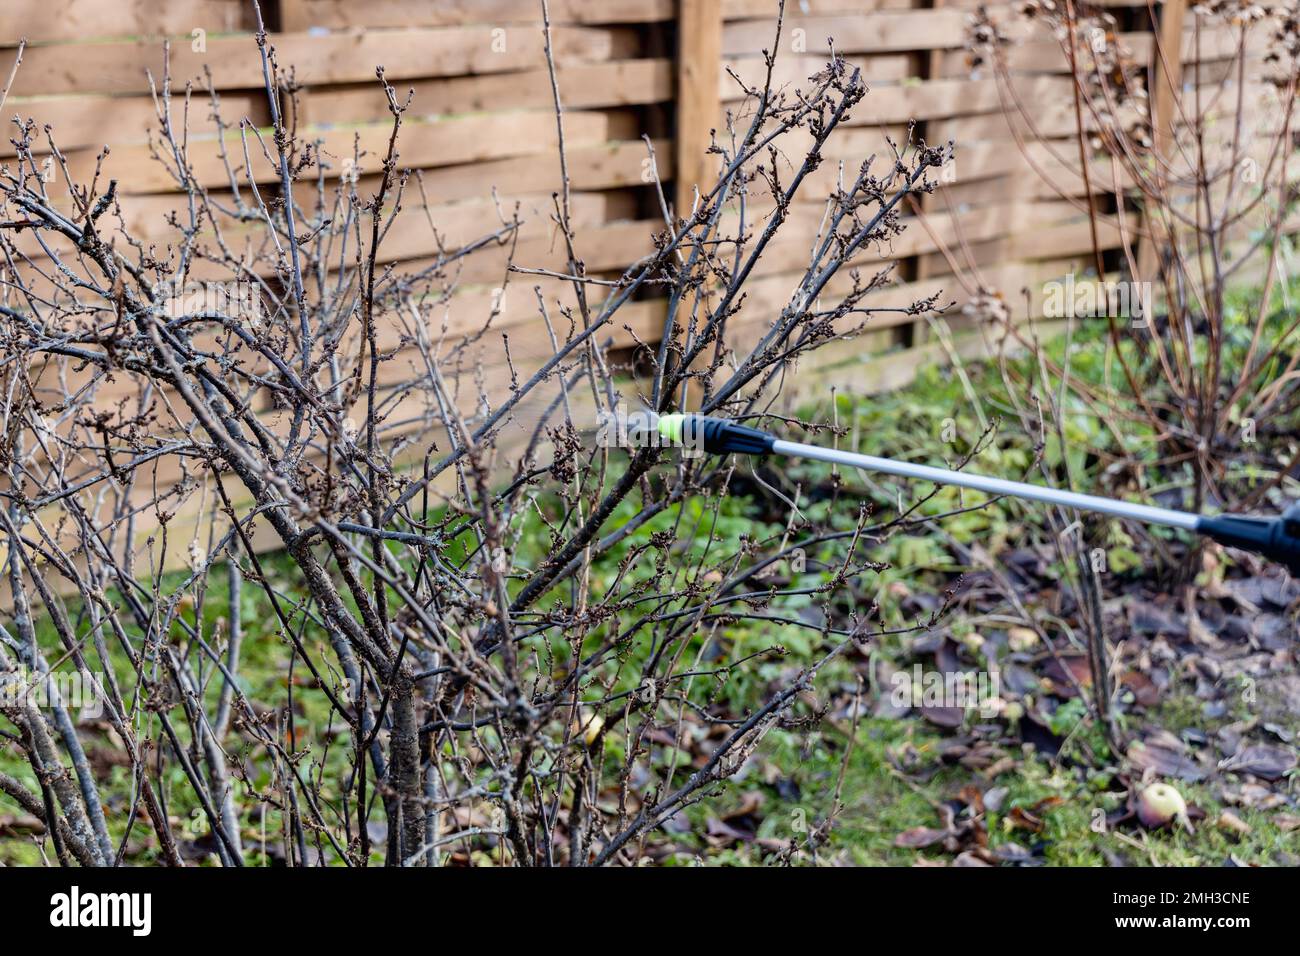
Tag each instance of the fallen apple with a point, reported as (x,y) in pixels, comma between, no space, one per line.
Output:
(1159,804)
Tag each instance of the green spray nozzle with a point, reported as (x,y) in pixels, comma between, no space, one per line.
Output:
(717,436)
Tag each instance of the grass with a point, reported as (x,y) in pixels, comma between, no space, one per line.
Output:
(1072,795)
(879,804)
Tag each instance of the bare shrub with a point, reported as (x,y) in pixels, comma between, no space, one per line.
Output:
(1203,348)
(1203,171)
(312,430)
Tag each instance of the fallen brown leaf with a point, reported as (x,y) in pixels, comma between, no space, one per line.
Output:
(1233,823)
(918,837)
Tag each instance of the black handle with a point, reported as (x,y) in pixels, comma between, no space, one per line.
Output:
(1277,539)
(719,436)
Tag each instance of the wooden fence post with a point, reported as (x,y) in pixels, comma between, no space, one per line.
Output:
(1166,79)
(699,107)
(699,68)
(930,202)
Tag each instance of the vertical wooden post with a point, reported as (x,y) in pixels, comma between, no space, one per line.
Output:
(929,202)
(295,18)
(1168,72)
(1167,79)
(699,105)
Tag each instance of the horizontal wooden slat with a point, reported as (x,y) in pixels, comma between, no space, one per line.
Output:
(347,14)
(748,72)
(582,86)
(120,67)
(1212,44)
(78,122)
(766,9)
(879,32)
(41,21)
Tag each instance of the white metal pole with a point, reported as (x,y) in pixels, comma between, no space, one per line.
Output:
(992,486)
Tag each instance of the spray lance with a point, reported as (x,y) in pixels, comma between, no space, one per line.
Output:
(1277,539)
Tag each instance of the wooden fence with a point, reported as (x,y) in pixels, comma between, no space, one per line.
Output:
(482,118)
